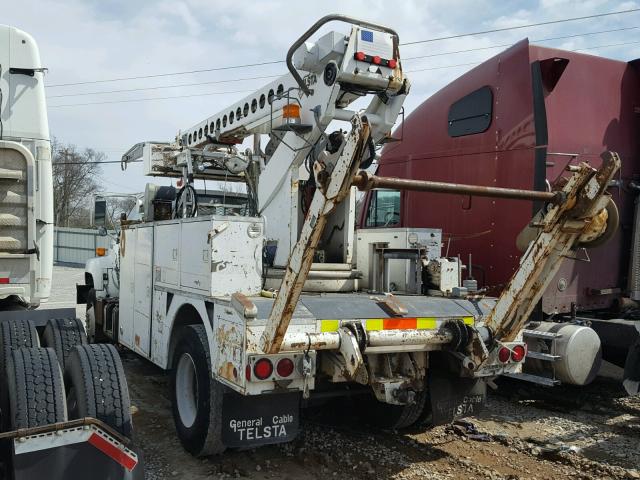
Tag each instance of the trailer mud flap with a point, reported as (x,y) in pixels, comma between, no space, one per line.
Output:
(453,397)
(74,453)
(249,421)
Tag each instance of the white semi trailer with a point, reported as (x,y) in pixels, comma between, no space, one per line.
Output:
(64,404)
(254,315)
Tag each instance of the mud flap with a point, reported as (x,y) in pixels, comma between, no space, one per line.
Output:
(454,397)
(74,453)
(249,421)
(631,377)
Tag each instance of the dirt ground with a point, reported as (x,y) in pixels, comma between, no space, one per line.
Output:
(525,432)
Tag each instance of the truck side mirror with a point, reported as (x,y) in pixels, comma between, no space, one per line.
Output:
(100,212)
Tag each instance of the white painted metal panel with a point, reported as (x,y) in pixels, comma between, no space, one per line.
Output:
(236,255)
(166,254)
(127,287)
(143,289)
(195,268)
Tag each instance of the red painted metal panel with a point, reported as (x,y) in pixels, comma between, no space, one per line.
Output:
(592,108)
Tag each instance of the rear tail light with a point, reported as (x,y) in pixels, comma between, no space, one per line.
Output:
(263,368)
(518,353)
(247,373)
(4,280)
(376,60)
(392,63)
(504,354)
(360,56)
(284,367)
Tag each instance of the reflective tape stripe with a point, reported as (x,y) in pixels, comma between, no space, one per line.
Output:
(398,323)
(374,324)
(428,323)
(329,325)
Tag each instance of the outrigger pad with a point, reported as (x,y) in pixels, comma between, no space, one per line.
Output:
(249,421)
(453,397)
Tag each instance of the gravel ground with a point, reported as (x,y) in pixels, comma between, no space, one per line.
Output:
(531,432)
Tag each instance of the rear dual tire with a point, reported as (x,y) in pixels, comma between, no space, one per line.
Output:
(196,398)
(35,388)
(97,386)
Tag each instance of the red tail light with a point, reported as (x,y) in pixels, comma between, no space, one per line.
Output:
(263,368)
(247,373)
(284,367)
(360,56)
(392,63)
(518,353)
(504,354)
(376,60)
(4,280)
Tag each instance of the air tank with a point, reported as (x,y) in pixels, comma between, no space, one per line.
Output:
(577,351)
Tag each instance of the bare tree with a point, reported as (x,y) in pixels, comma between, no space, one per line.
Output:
(75,175)
(116,207)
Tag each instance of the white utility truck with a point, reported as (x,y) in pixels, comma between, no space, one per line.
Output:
(64,404)
(255,315)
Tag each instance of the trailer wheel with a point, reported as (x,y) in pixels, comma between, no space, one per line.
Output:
(15,334)
(395,416)
(35,388)
(63,334)
(196,398)
(97,386)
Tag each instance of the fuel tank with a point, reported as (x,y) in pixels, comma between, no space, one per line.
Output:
(570,352)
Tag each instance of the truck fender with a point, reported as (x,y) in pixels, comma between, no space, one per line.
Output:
(183,311)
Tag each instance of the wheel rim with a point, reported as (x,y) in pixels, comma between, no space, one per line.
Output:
(187,390)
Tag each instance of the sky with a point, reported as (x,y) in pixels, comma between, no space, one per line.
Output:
(97,40)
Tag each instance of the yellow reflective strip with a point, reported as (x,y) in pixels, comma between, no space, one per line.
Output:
(426,323)
(468,320)
(375,324)
(329,325)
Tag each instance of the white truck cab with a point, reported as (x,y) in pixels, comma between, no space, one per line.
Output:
(26,186)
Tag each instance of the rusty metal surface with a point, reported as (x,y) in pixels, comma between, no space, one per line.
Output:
(560,231)
(324,201)
(367,181)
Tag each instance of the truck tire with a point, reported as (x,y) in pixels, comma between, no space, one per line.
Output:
(396,417)
(97,386)
(63,334)
(35,388)
(196,398)
(16,334)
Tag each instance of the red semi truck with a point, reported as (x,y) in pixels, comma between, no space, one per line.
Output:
(518,120)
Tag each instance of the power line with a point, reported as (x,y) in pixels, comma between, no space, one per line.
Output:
(164,86)
(274,62)
(149,99)
(248,91)
(263,77)
(478,63)
(564,37)
(93,162)
(215,69)
(504,29)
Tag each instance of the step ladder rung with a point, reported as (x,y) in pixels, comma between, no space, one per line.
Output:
(541,335)
(547,357)
(537,379)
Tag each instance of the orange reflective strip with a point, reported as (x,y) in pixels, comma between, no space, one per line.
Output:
(400,323)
